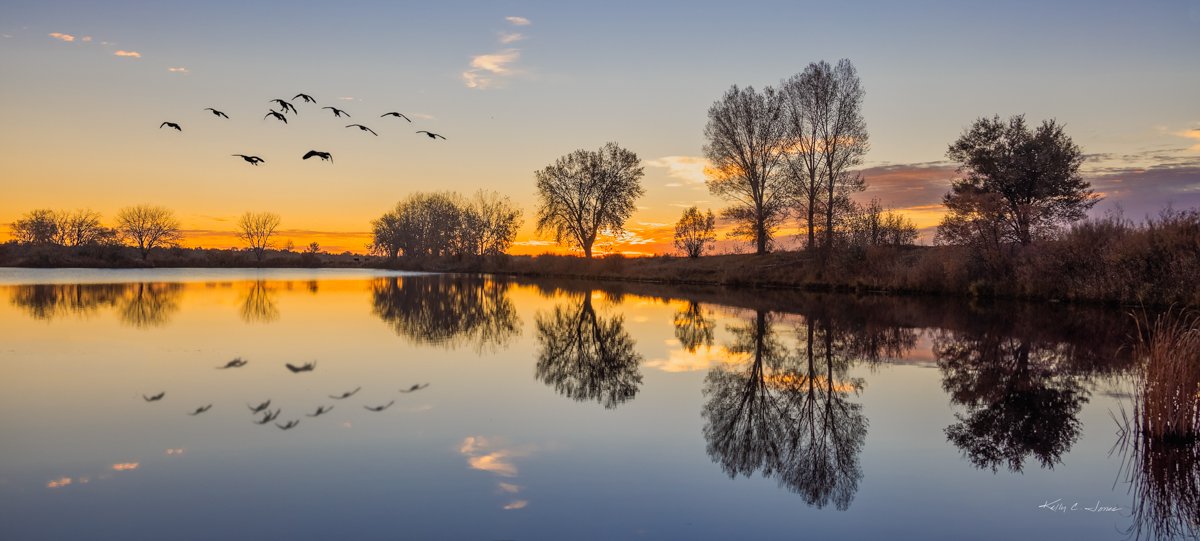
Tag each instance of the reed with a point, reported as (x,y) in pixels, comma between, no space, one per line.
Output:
(1168,353)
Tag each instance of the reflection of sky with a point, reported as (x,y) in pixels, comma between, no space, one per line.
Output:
(72,408)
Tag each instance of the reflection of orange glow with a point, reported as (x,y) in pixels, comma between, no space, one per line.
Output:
(509,488)
(799,380)
(494,462)
(516,504)
(126,466)
(61,482)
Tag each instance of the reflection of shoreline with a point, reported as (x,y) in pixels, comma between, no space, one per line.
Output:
(137,304)
(447,311)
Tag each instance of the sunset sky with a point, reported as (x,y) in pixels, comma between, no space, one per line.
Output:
(513,86)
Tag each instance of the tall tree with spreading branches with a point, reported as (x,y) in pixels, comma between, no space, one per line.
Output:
(586,193)
(257,228)
(149,227)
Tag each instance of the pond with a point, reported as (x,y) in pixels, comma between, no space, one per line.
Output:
(457,407)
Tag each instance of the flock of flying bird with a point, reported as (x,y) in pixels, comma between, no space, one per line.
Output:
(286,108)
(264,408)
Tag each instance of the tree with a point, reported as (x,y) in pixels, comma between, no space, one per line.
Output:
(36,227)
(587,357)
(1017,185)
(588,192)
(81,228)
(694,232)
(149,227)
(490,223)
(871,225)
(256,228)
(747,141)
(829,135)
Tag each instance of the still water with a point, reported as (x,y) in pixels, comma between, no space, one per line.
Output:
(547,410)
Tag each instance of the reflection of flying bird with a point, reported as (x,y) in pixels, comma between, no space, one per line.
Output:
(288,425)
(154,398)
(395,114)
(285,105)
(415,387)
(346,394)
(307,367)
(432,135)
(254,160)
(170,125)
(321,410)
(305,97)
(201,409)
(276,114)
(337,112)
(268,417)
(380,408)
(363,128)
(236,363)
(216,112)
(259,408)
(319,154)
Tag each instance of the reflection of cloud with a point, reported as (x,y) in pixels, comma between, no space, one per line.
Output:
(60,482)
(178,69)
(680,360)
(519,21)
(86,39)
(511,37)
(128,54)
(62,36)
(490,455)
(125,466)
(496,462)
(516,504)
(509,488)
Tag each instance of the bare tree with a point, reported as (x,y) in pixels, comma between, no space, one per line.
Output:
(587,192)
(694,231)
(82,227)
(490,224)
(747,142)
(149,227)
(872,225)
(36,227)
(256,228)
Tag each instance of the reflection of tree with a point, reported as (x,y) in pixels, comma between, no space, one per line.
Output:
(447,310)
(693,327)
(259,304)
(150,304)
(1020,397)
(788,415)
(1164,476)
(140,304)
(587,357)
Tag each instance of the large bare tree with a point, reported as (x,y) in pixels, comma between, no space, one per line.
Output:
(588,192)
(256,228)
(36,227)
(490,223)
(747,143)
(149,227)
(82,227)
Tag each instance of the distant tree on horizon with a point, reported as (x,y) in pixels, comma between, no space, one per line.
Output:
(81,228)
(256,228)
(37,227)
(149,227)
(694,232)
(1017,184)
(746,144)
(490,223)
(587,192)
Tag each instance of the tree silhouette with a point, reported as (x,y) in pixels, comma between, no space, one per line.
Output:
(587,192)
(788,415)
(447,311)
(150,304)
(586,357)
(258,306)
(149,227)
(49,301)
(693,327)
(257,228)
(1021,399)
(694,232)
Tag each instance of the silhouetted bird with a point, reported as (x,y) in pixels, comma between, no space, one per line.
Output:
(305,97)
(259,408)
(307,367)
(380,408)
(285,105)
(216,112)
(276,114)
(363,128)
(319,154)
(170,125)
(346,394)
(337,112)
(236,363)
(268,417)
(288,425)
(154,398)
(416,387)
(395,114)
(254,160)
(201,409)
(432,135)
(321,411)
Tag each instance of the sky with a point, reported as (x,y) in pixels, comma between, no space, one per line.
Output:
(515,85)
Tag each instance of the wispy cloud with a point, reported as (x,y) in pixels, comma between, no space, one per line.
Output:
(518,21)
(62,36)
(511,37)
(689,169)
(1193,134)
(497,63)
(86,39)
(128,54)
(178,70)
